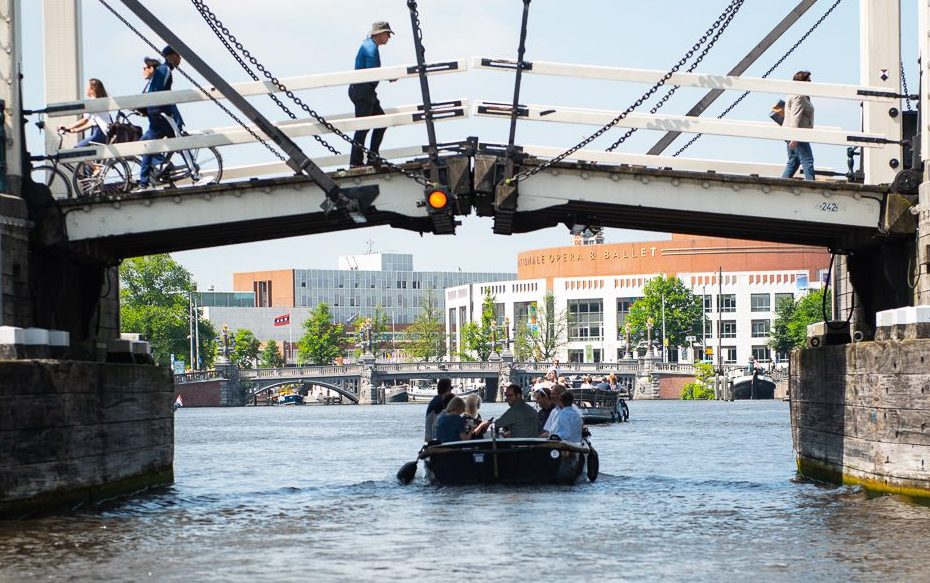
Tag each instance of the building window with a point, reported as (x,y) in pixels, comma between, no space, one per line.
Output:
(708,304)
(761,302)
(760,353)
(623,309)
(708,328)
(781,356)
(575,355)
(729,354)
(586,320)
(779,298)
(728,329)
(760,328)
(727,303)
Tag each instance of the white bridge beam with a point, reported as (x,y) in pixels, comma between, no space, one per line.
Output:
(681,123)
(251,88)
(880,93)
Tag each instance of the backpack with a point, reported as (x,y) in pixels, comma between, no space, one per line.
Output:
(123,131)
(778,112)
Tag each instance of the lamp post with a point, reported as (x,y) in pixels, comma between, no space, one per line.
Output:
(649,324)
(226,342)
(664,341)
(494,355)
(704,320)
(628,353)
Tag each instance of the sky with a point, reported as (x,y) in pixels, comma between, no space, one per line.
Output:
(299,37)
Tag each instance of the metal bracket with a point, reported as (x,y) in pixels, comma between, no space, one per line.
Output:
(505,64)
(434,67)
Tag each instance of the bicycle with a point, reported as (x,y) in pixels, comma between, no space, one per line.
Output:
(198,166)
(49,174)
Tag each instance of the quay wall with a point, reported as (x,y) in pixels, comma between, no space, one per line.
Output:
(208,393)
(73,432)
(860,414)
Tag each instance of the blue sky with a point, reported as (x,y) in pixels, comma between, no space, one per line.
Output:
(296,37)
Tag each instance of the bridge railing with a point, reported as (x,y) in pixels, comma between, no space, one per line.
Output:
(301,371)
(192,377)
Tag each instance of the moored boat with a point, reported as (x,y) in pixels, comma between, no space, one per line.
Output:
(601,406)
(752,386)
(290,399)
(509,461)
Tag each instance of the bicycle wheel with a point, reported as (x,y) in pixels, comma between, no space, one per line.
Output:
(101,178)
(209,165)
(54,179)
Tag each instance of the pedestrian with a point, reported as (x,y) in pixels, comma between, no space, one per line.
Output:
(158,75)
(173,61)
(364,95)
(799,113)
(97,123)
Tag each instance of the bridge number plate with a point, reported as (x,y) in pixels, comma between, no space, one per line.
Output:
(829,207)
(478,458)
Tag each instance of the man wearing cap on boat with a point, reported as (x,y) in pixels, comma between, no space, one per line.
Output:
(364,95)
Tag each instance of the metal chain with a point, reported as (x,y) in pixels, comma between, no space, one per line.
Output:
(907,96)
(535,170)
(197,85)
(207,13)
(248,70)
(691,69)
(767,73)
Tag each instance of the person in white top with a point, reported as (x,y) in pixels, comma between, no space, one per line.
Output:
(555,392)
(97,123)
(569,423)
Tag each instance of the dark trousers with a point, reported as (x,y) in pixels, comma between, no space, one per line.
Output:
(158,128)
(366,104)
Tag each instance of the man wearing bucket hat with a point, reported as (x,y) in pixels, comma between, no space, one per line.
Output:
(364,95)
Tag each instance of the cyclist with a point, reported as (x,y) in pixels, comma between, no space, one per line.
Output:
(158,75)
(97,123)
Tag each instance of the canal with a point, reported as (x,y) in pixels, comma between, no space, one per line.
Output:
(688,491)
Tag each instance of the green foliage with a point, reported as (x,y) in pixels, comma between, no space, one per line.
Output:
(322,340)
(426,338)
(697,391)
(704,372)
(270,356)
(245,348)
(683,311)
(478,339)
(792,317)
(551,332)
(154,301)
(522,345)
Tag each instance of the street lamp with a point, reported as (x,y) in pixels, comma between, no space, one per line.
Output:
(664,341)
(629,352)
(649,324)
(226,342)
(494,337)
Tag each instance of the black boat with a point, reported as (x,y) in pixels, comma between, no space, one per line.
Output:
(752,386)
(508,461)
(601,406)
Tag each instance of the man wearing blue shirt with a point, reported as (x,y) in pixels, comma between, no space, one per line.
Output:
(159,79)
(364,95)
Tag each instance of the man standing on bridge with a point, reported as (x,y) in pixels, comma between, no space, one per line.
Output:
(799,113)
(364,95)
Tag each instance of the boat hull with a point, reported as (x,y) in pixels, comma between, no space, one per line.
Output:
(746,387)
(505,461)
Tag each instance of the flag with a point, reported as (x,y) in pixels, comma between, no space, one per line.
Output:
(283,320)
(178,403)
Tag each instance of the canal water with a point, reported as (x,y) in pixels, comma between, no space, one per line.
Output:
(689,491)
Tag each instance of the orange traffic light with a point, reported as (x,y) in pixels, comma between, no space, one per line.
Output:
(437,199)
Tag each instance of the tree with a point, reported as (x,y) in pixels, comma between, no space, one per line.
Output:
(323,339)
(702,387)
(548,335)
(477,339)
(522,344)
(683,311)
(270,356)
(245,348)
(426,337)
(792,317)
(155,302)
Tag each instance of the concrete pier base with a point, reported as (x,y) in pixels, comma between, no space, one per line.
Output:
(73,432)
(860,414)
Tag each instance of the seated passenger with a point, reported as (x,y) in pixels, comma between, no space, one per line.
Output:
(569,423)
(546,406)
(612,380)
(556,398)
(472,415)
(586,383)
(604,385)
(451,426)
(520,419)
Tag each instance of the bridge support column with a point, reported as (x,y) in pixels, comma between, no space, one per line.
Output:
(880,62)
(505,374)
(368,383)
(922,269)
(232,393)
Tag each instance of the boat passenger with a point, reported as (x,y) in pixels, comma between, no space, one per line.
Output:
(472,411)
(443,387)
(569,423)
(546,406)
(555,394)
(520,419)
(604,385)
(612,380)
(586,383)
(450,426)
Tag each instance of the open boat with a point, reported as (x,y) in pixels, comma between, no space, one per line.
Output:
(752,386)
(600,406)
(509,461)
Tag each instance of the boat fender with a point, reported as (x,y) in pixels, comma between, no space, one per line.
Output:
(594,465)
